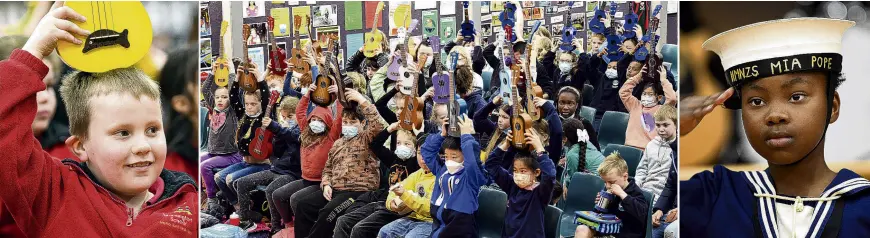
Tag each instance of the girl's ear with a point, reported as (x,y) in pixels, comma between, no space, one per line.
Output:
(659,98)
(537,172)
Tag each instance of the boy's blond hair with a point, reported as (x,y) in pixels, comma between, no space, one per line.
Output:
(614,161)
(289,104)
(599,36)
(666,112)
(80,87)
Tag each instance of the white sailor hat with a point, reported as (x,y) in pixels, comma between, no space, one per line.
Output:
(778,47)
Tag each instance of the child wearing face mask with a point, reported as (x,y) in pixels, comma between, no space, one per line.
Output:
(350,170)
(528,197)
(411,196)
(401,162)
(641,123)
(606,96)
(319,130)
(459,176)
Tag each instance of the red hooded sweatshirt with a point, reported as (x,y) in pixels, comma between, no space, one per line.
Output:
(314,155)
(53,198)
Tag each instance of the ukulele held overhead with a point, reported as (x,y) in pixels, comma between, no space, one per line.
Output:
(120,36)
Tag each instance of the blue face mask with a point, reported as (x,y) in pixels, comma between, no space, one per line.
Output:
(349,131)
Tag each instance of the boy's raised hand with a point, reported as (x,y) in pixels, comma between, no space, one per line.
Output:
(497,100)
(534,140)
(466,127)
(508,139)
(55,25)
(694,108)
(266,122)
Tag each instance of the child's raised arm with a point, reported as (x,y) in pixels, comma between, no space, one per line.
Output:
(301,115)
(430,149)
(471,152)
(236,98)
(31,177)
(629,100)
(493,166)
(670,94)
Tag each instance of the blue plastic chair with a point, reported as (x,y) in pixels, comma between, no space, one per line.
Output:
(588,113)
(670,53)
(612,128)
(631,155)
(649,226)
(581,197)
(551,221)
(490,212)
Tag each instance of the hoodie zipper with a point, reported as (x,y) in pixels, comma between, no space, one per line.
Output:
(129,216)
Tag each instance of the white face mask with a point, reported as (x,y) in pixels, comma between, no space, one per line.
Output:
(610,73)
(565,67)
(349,131)
(404,152)
(647,101)
(453,166)
(428,61)
(392,105)
(523,180)
(317,127)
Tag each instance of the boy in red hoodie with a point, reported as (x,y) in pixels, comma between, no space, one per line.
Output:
(120,188)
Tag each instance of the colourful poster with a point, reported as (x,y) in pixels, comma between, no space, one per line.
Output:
(399,16)
(255,8)
(353,15)
(371,8)
(282,21)
(495,20)
(497,6)
(325,32)
(354,44)
(301,20)
(430,23)
(448,29)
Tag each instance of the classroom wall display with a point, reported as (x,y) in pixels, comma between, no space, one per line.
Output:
(205,59)
(348,20)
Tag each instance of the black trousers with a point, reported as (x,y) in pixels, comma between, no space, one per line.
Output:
(281,200)
(272,181)
(365,221)
(316,216)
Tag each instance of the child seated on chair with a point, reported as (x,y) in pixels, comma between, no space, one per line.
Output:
(641,125)
(652,171)
(528,196)
(120,186)
(417,223)
(459,177)
(629,204)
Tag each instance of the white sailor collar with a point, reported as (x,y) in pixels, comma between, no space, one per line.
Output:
(846,183)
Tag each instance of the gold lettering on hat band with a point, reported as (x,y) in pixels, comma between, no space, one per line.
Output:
(743,72)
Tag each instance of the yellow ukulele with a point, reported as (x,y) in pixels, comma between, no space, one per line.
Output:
(221,64)
(375,37)
(120,36)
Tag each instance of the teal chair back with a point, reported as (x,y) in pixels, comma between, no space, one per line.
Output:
(612,128)
(490,212)
(649,226)
(671,54)
(581,197)
(588,93)
(588,113)
(551,221)
(631,155)
(486,74)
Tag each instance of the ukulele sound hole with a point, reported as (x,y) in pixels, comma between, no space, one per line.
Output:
(105,37)
(322,84)
(517,127)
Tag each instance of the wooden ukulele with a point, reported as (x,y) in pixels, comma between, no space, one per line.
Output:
(335,69)
(321,95)
(247,79)
(653,61)
(374,38)
(120,36)
(277,55)
(297,54)
(411,111)
(261,146)
(520,121)
(440,78)
(455,106)
(532,88)
(221,64)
